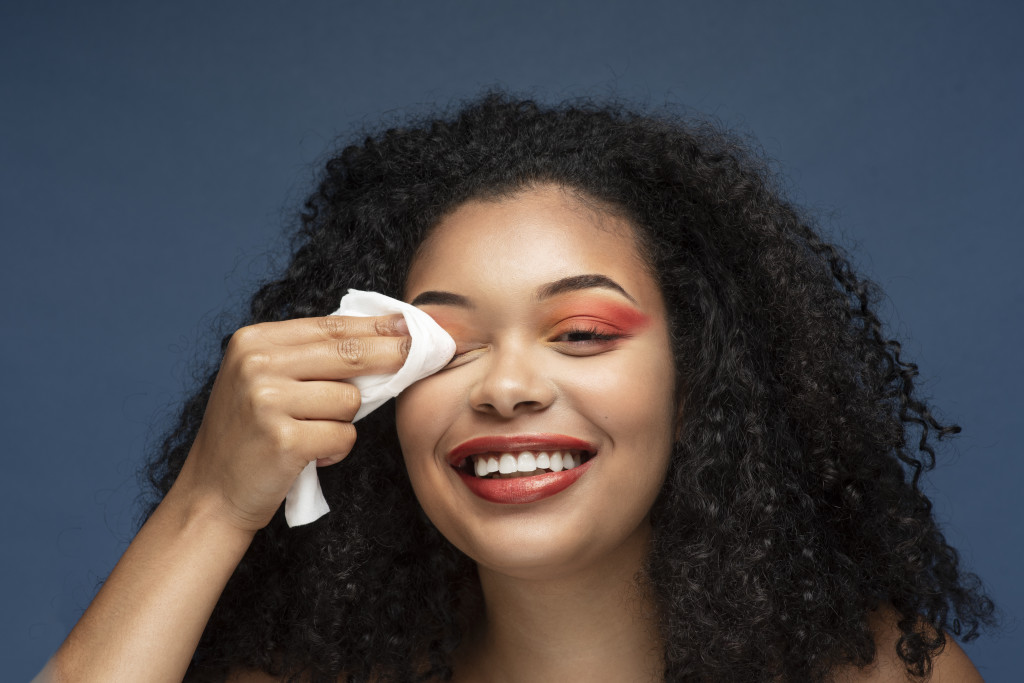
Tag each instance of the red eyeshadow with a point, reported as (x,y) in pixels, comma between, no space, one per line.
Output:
(623,317)
(452,327)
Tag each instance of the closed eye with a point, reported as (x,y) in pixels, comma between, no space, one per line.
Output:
(463,357)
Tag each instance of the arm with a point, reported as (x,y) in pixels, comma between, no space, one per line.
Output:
(279,402)
(146,620)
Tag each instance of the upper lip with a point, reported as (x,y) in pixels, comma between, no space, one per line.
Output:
(517,442)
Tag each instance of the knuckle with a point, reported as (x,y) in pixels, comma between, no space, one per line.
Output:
(264,398)
(404,346)
(244,336)
(237,344)
(351,396)
(347,438)
(386,326)
(253,363)
(352,352)
(284,438)
(333,326)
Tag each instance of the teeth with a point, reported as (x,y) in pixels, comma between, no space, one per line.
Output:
(556,462)
(526,462)
(507,464)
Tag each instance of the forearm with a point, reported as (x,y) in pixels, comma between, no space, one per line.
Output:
(145,622)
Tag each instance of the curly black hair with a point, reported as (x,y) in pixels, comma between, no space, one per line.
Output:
(792,507)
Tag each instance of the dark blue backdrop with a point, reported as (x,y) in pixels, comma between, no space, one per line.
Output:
(151,153)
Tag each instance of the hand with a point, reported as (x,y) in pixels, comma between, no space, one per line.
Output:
(279,402)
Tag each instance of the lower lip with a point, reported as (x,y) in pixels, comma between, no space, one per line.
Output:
(520,490)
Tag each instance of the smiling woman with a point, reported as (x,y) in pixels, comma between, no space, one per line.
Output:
(566,361)
(672,443)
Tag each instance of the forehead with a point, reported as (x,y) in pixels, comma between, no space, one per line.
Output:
(535,236)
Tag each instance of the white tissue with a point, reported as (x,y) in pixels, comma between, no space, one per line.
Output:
(431,349)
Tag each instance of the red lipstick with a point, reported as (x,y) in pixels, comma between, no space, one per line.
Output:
(524,489)
(520,490)
(518,442)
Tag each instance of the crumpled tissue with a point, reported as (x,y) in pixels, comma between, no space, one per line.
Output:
(431,349)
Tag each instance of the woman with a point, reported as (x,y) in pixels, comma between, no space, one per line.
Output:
(739,444)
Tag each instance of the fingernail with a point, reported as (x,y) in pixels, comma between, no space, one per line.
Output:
(401,327)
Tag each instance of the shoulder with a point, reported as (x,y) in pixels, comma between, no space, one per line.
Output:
(951,665)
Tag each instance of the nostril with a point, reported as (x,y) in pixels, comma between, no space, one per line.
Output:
(508,389)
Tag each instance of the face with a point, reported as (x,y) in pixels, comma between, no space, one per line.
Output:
(562,354)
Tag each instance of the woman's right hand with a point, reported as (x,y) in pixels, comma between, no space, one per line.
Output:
(280,401)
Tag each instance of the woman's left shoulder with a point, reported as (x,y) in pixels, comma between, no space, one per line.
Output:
(951,665)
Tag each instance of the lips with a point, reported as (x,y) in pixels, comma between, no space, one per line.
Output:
(516,444)
(526,487)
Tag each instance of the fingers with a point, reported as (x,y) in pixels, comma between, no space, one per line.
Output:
(307,421)
(333,441)
(320,400)
(280,401)
(325,441)
(328,348)
(327,328)
(336,359)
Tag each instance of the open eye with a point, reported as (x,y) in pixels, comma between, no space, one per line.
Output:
(585,336)
(586,341)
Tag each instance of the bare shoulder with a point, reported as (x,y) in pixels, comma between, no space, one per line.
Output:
(950,666)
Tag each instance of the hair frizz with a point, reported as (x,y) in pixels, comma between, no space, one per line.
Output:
(792,506)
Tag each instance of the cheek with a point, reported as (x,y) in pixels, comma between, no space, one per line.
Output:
(422,413)
(633,402)
(637,391)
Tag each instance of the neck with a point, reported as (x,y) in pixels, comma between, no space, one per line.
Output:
(594,624)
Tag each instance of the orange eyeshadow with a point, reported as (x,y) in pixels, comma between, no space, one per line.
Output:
(620,316)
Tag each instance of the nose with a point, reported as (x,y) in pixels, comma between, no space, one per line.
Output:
(512,383)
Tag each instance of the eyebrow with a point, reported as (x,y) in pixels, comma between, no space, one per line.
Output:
(577,282)
(434,298)
(566,284)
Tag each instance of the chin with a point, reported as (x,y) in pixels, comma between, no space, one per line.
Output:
(534,555)
(553,539)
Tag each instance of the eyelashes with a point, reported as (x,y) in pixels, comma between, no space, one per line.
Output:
(461,358)
(587,336)
(575,341)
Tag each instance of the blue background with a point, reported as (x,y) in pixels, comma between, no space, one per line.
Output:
(150,154)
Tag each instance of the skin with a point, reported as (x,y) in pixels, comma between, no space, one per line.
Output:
(279,402)
(557,575)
